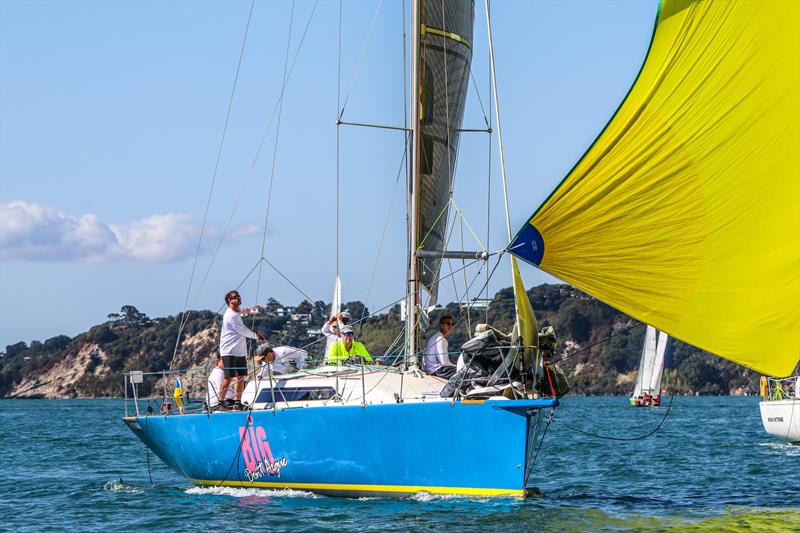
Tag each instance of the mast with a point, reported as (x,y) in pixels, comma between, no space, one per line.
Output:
(412,290)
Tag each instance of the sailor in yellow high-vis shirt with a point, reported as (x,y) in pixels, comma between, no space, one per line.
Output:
(347,348)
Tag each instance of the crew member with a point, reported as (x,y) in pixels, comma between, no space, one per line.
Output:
(233,347)
(332,328)
(215,384)
(348,348)
(435,358)
(280,359)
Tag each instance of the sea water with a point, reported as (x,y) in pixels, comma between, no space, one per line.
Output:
(74,465)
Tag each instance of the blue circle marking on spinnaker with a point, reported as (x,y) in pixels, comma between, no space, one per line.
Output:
(528,245)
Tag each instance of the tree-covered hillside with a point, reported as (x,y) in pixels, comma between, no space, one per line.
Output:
(598,347)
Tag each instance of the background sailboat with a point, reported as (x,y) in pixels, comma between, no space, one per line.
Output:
(780,408)
(647,391)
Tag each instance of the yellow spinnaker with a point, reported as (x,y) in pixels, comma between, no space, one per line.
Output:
(685,212)
(528,329)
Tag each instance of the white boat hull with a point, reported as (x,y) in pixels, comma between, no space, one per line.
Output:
(781,419)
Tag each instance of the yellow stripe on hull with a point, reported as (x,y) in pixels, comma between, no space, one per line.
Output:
(353,488)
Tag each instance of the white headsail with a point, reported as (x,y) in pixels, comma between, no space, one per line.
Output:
(646,361)
(336,307)
(658,363)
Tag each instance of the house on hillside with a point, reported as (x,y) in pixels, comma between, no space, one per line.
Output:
(305,318)
(252,311)
(477,303)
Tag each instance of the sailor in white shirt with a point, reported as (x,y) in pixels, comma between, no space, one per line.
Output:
(332,327)
(283,359)
(233,346)
(435,358)
(215,383)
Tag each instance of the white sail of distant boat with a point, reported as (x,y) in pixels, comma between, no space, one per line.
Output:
(336,307)
(651,369)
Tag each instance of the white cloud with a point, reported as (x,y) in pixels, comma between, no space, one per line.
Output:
(31,232)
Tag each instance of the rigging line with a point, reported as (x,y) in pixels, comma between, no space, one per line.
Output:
(480,102)
(488,201)
(489,180)
(360,58)
(469,304)
(466,290)
(378,126)
(253,163)
(445,246)
(469,227)
(395,302)
(338,150)
(248,422)
(298,289)
(385,227)
(213,179)
(405,81)
(147,446)
(459,213)
(468,363)
(235,459)
(601,341)
(621,439)
(239,286)
(497,115)
(184,318)
(450,265)
(275,150)
(541,441)
(436,221)
(283,87)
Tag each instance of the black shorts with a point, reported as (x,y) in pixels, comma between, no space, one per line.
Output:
(234,366)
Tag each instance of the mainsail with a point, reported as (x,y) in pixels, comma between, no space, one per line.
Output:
(444,62)
(685,212)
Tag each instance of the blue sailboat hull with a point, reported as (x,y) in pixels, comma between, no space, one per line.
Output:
(479,448)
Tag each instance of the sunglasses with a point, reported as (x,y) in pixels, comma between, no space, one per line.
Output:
(350,334)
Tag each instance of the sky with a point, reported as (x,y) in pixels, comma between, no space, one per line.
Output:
(112,115)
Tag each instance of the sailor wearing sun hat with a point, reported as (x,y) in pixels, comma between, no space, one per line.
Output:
(348,347)
(334,324)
